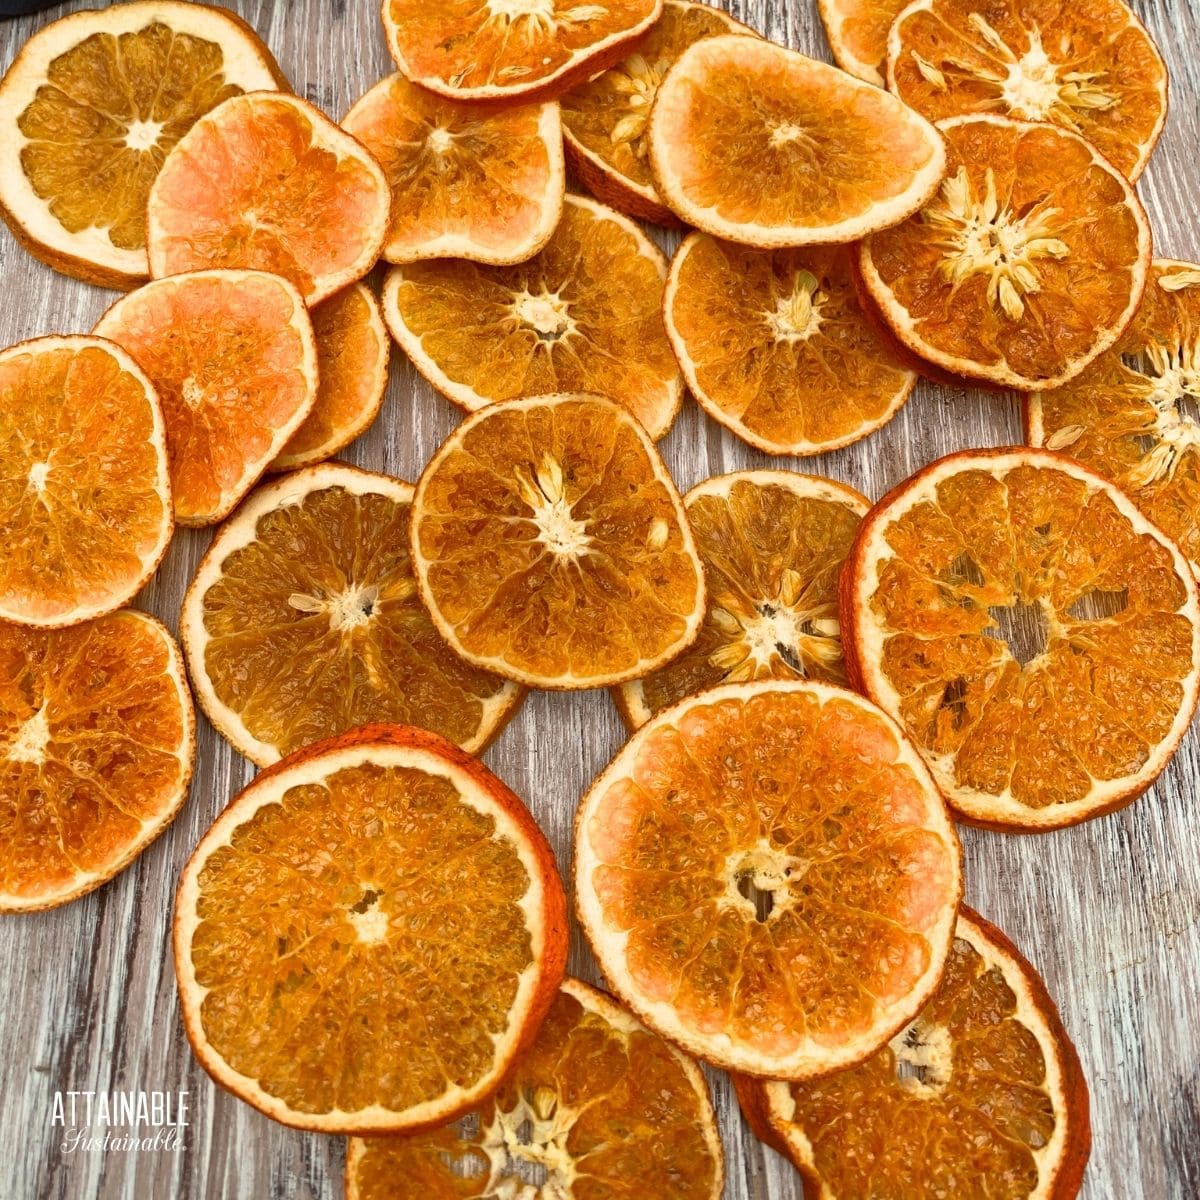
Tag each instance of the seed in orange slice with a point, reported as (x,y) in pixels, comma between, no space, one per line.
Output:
(1036,635)
(598,1108)
(857,31)
(90,108)
(984,1086)
(234,360)
(266,181)
(368,935)
(470,181)
(772,545)
(303,622)
(584,315)
(755,143)
(1027,264)
(551,546)
(1093,69)
(768,877)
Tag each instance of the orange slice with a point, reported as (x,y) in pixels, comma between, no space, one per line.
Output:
(1028,263)
(383,880)
(842,158)
(585,315)
(551,547)
(234,360)
(983,1086)
(90,108)
(775,345)
(768,877)
(268,182)
(308,592)
(96,744)
(468,181)
(1093,69)
(85,496)
(1036,636)
(598,1107)
(772,545)
(857,31)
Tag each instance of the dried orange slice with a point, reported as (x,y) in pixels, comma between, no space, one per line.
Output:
(85,495)
(768,877)
(1027,264)
(775,345)
(96,744)
(985,1086)
(584,315)
(772,545)
(842,158)
(468,181)
(551,547)
(857,31)
(1037,637)
(234,361)
(380,880)
(597,1108)
(1093,69)
(266,181)
(90,108)
(307,592)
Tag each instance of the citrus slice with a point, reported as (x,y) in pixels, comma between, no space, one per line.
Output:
(1132,414)
(1038,638)
(234,361)
(775,345)
(1027,264)
(1091,68)
(772,545)
(91,106)
(584,315)
(598,1108)
(984,1086)
(510,48)
(842,158)
(369,935)
(468,181)
(96,744)
(551,547)
(84,491)
(266,181)
(352,372)
(768,877)
(857,31)
(307,592)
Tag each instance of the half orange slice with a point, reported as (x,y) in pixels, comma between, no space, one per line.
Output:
(857,31)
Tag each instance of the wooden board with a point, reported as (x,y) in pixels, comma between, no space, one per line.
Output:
(1110,912)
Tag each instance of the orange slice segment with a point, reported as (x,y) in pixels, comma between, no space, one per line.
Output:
(1037,637)
(775,345)
(234,360)
(584,315)
(551,547)
(843,158)
(381,880)
(857,31)
(597,1107)
(266,181)
(96,744)
(307,591)
(768,877)
(90,108)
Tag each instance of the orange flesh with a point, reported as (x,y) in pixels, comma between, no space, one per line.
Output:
(860,38)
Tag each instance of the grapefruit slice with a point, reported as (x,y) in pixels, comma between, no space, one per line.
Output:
(551,547)
(234,361)
(768,877)
(598,1107)
(843,158)
(857,31)
(380,880)
(267,182)
(1036,635)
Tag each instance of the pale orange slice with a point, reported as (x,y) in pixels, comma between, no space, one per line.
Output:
(857,31)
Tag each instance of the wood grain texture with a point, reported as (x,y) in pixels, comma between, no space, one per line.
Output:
(1110,912)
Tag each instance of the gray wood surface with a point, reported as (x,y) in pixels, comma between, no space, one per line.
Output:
(1110,912)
